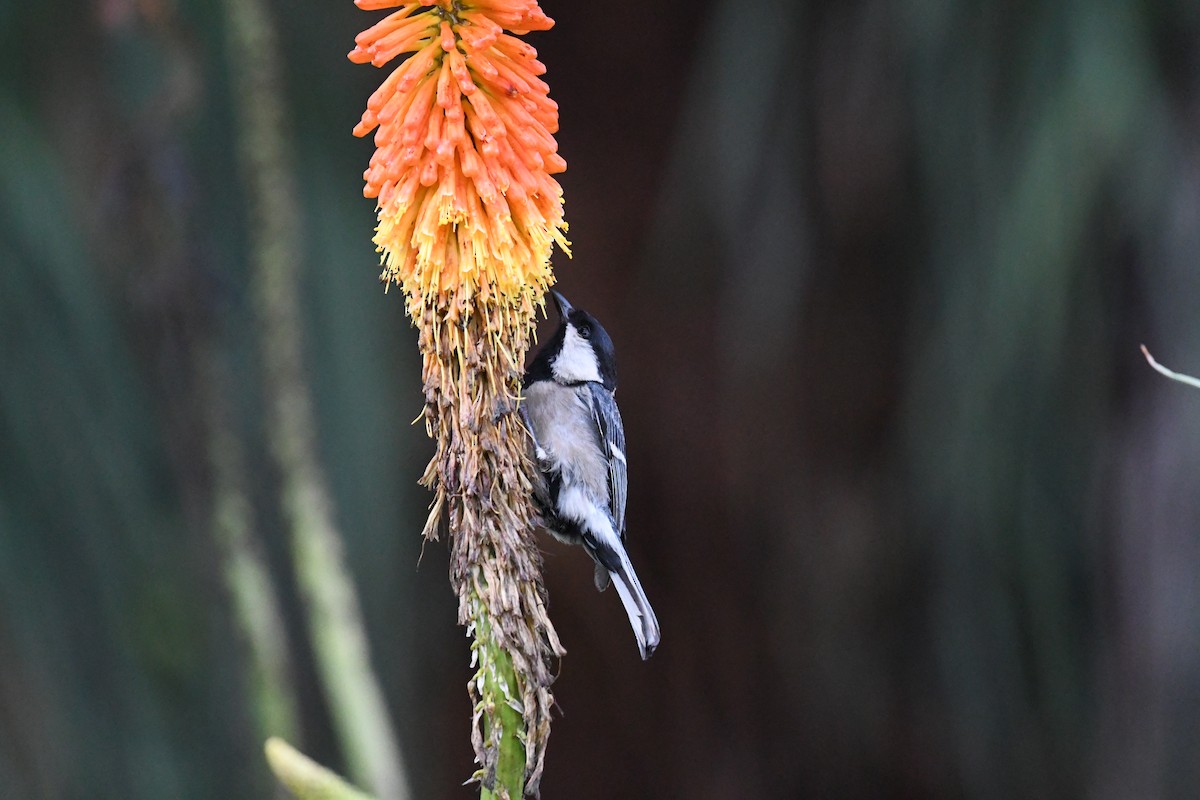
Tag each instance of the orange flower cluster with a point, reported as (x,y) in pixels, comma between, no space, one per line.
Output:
(465,149)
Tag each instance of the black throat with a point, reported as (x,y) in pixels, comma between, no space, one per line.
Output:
(539,369)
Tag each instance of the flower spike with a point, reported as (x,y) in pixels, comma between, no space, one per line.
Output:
(469,214)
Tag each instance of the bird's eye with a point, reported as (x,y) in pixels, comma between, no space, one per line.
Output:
(585,331)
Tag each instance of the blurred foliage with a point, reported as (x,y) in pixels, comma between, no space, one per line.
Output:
(918,519)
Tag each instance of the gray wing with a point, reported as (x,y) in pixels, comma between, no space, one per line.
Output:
(612,442)
(541,491)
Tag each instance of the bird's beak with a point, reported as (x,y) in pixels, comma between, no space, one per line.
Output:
(564,308)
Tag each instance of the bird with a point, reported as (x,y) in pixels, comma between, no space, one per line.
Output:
(579,445)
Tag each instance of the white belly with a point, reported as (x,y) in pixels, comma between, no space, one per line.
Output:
(563,428)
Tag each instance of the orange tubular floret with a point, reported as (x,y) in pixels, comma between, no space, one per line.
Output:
(415,120)
(482,65)
(520,51)
(482,106)
(458,66)
(480,32)
(375,5)
(409,42)
(397,21)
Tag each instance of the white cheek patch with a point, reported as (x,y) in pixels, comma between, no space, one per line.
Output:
(576,361)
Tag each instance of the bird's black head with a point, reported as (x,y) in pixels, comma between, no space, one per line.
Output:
(580,350)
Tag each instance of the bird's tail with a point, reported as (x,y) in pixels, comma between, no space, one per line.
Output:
(641,615)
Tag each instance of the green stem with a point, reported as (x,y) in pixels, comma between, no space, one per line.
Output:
(499,704)
(305,778)
(247,575)
(335,621)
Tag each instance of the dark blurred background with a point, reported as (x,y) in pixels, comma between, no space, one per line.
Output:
(916,517)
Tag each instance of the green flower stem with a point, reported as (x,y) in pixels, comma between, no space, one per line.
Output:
(500,706)
(304,777)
